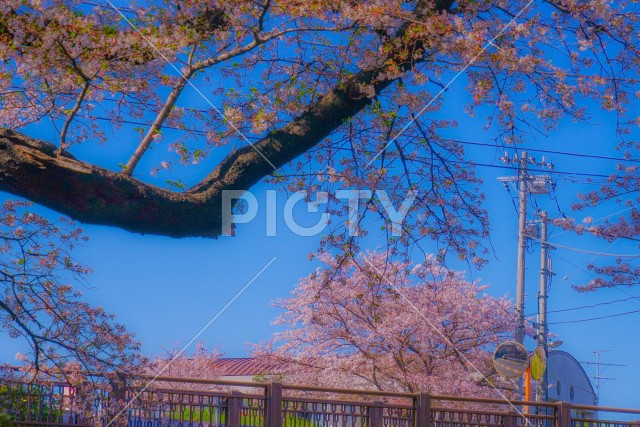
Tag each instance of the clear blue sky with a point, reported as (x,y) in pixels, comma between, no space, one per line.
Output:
(165,290)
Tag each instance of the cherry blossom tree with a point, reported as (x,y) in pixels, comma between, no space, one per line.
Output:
(390,326)
(621,190)
(41,303)
(203,363)
(319,95)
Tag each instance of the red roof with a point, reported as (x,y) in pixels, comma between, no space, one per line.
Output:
(243,366)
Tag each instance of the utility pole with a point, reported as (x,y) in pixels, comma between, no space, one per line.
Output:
(522,182)
(542,303)
(526,184)
(543,392)
(522,247)
(534,184)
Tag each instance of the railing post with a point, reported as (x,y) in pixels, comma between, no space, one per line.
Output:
(563,414)
(274,405)
(234,409)
(511,419)
(423,410)
(375,414)
(118,389)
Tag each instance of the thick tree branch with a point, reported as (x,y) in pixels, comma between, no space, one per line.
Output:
(30,168)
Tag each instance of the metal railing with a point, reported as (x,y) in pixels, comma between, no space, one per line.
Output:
(196,402)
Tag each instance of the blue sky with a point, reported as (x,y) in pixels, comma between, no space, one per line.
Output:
(166,290)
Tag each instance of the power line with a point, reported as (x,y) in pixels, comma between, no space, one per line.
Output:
(603,217)
(537,150)
(595,318)
(595,305)
(464,142)
(530,170)
(555,245)
(486,144)
(561,310)
(459,162)
(130,122)
(592,274)
(591,175)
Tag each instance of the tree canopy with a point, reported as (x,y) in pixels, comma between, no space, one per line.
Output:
(41,303)
(319,95)
(355,329)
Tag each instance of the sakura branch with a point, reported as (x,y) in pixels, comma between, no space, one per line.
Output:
(38,305)
(451,81)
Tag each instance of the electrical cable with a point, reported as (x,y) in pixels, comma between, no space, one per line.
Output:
(513,201)
(594,318)
(602,218)
(130,122)
(593,175)
(554,197)
(592,156)
(590,273)
(487,165)
(561,310)
(537,150)
(555,245)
